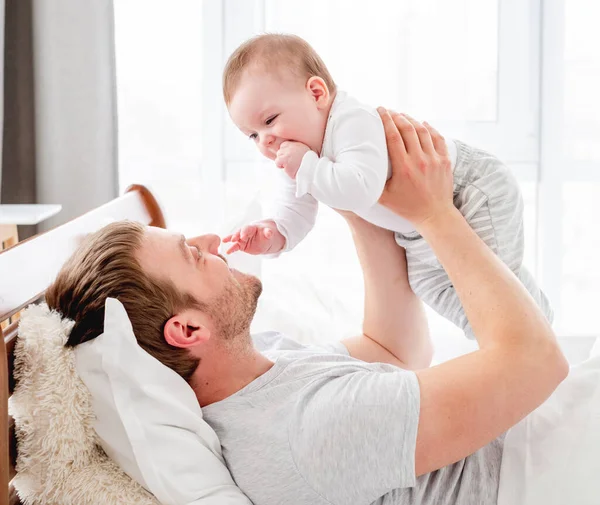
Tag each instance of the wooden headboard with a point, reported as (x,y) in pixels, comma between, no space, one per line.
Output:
(26,270)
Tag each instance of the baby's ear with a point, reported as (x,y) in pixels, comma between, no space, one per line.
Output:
(318,89)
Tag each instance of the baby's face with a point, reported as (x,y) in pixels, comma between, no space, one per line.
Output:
(270,109)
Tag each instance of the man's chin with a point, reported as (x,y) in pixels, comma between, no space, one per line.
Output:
(258,287)
(248,281)
(254,284)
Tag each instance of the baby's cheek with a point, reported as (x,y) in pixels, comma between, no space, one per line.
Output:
(266,152)
(283,133)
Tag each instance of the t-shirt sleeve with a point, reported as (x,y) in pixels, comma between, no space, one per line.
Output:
(353,437)
(268,341)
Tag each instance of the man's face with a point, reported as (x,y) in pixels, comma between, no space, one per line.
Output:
(195,266)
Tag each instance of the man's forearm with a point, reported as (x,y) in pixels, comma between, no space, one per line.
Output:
(394,316)
(498,306)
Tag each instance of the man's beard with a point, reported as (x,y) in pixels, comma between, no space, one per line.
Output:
(234,308)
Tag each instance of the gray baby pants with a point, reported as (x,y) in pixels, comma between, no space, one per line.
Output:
(488,196)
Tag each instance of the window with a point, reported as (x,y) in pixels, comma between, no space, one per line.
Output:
(570,183)
(417,56)
(581,81)
(375,51)
(515,77)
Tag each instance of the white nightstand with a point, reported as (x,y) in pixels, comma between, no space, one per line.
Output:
(12,216)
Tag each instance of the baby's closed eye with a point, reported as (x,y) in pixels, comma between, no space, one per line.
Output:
(269,121)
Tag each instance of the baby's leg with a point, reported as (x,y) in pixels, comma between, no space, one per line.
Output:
(433,286)
(488,195)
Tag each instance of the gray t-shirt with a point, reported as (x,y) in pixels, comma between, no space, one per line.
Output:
(321,427)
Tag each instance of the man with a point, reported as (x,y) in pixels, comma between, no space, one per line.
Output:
(307,425)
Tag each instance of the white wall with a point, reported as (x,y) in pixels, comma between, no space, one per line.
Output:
(75,104)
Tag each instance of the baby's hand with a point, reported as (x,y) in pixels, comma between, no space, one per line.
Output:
(261,237)
(289,157)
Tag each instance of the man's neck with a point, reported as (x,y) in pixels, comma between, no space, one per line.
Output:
(225,371)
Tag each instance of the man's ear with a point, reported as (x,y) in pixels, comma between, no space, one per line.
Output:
(318,89)
(186,329)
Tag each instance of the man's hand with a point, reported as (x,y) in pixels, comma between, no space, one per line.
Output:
(421,183)
(289,157)
(261,237)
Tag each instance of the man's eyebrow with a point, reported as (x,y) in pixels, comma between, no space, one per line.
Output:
(183,247)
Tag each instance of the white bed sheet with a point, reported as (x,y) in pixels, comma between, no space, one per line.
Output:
(552,457)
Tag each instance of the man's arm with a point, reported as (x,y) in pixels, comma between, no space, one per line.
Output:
(467,402)
(395,326)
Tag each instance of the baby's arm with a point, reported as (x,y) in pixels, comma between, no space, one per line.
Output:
(355,177)
(290,220)
(294,216)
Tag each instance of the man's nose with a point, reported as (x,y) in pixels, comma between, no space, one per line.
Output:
(209,242)
(212,243)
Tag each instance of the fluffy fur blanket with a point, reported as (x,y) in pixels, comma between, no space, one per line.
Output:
(59,461)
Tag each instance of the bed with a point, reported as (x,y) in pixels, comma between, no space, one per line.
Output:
(42,256)
(561,435)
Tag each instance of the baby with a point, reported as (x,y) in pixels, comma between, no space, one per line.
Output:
(330,148)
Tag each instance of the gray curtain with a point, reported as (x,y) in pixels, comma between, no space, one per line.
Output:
(60,128)
(1,85)
(18,153)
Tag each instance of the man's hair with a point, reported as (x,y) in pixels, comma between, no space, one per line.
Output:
(274,52)
(105,265)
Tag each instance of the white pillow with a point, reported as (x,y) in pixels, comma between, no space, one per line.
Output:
(149,420)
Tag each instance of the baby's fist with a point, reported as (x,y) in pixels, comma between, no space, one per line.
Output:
(289,157)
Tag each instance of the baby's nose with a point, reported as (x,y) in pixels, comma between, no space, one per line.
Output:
(267,140)
(268,147)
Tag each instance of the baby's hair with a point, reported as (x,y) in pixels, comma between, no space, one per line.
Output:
(274,51)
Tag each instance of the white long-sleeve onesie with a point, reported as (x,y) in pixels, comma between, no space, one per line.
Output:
(350,174)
